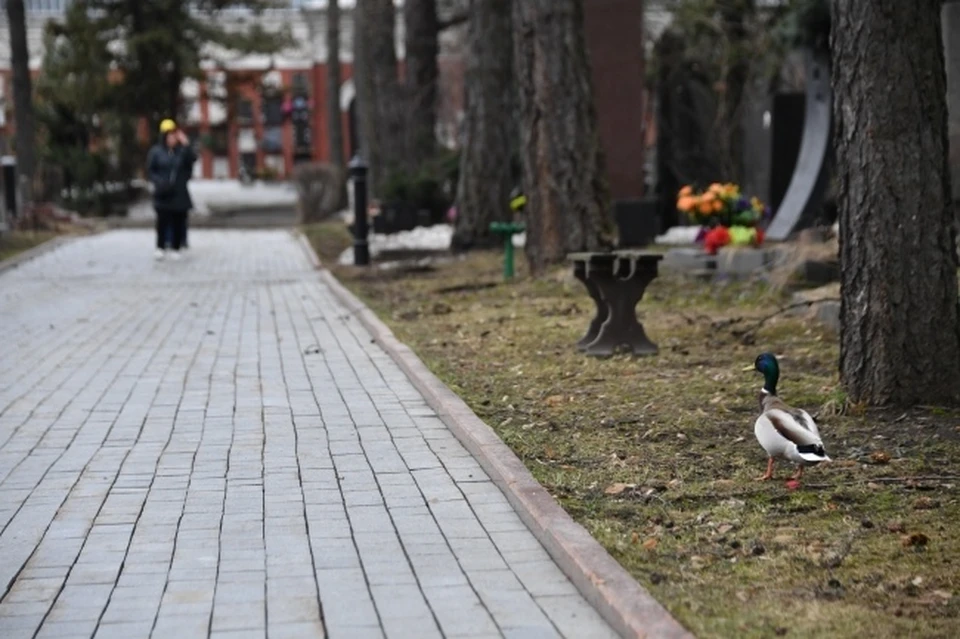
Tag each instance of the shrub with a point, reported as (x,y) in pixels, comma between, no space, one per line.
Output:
(320,191)
(431,187)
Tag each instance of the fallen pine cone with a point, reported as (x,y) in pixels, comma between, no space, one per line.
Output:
(918,540)
(925,503)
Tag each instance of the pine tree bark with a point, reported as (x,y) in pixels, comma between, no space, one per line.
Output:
(900,329)
(334,78)
(25,135)
(483,190)
(422,49)
(378,88)
(563,168)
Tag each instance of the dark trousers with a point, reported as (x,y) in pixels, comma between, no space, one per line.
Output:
(171,229)
(183,238)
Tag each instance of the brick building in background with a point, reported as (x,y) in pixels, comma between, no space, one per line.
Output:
(278,116)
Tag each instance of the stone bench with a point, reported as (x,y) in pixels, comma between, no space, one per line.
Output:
(616,282)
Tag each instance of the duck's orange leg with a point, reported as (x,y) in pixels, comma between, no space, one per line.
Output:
(769,474)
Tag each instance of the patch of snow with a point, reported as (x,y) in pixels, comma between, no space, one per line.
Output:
(679,235)
(423,238)
(212,195)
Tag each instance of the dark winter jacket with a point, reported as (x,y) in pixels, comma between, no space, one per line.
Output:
(169,170)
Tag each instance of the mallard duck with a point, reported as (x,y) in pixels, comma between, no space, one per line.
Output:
(782,430)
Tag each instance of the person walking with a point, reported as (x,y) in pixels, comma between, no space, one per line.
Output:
(169,167)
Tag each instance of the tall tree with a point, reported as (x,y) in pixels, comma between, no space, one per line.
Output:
(74,95)
(334,121)
(490,130)
(167,42)
(563,174)
(378,88)
(900,329)
(734,16)
(22,94)
(422,31)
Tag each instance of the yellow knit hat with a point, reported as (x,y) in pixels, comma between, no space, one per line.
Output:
(167,126)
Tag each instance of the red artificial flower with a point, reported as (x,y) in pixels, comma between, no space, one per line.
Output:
(760,236)
(715,239)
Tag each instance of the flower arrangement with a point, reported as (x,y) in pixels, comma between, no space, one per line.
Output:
(726,215)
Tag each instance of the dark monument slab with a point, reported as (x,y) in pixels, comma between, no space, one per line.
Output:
(951,53)
(638,221)
(789,111)
(804,197)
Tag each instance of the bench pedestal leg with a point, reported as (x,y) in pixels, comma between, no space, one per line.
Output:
(601,313)
(621,328)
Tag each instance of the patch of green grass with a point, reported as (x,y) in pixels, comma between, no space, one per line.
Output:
(656,456)
(15,242)
(329,240)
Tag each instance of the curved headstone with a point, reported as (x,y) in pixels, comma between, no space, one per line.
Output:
(805,193)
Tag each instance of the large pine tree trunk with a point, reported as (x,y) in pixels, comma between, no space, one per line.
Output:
(378,89)
(900,330)
(422,48)
(22,95)
(334,121)
(563,175)
(483,191)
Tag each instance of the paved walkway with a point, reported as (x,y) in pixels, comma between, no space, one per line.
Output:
(213,447)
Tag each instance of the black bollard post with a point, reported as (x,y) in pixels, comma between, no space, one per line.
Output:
(9,164)
(358,173)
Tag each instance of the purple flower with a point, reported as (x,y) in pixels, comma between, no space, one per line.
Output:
(743,204)
(766,213)
(702,234)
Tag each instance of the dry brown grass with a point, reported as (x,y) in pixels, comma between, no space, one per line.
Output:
(656,456)
(16,242)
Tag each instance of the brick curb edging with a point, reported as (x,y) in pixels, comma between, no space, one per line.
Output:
(25,256)
(623,603)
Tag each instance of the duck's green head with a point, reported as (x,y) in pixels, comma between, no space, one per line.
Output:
(768,366)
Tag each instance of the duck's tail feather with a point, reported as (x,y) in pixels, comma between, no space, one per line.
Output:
(812,453)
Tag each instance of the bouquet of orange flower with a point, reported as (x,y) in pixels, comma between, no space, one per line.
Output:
(721,204)
(727,216)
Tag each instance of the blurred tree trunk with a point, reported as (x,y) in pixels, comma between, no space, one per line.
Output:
(563,175)
(334,120)
(22,96)
(900,329)
(735,14)
(422,49)
(490,131)
(378,89)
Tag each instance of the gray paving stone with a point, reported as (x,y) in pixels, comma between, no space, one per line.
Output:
(19,625)
(574,617)
(73,629)
(33,590)
(179,625)
(239,634)
(124,630)
(180,431)
(296,630)
(239,616)
(25,608)
(543,578)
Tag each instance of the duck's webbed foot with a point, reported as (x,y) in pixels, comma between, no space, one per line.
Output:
(767,476)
